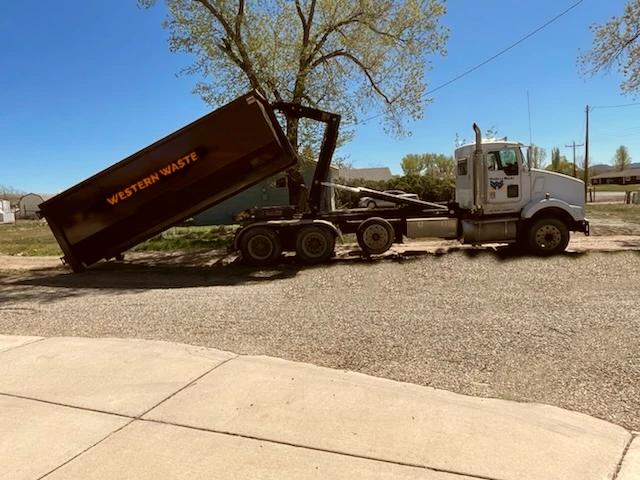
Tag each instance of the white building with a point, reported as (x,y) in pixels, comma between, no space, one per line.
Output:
(6,215)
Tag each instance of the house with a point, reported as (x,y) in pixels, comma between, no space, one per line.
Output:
(28,205)
(270,193)
(378,174)
(626,177)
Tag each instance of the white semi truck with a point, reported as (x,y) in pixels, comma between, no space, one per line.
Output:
(499,199)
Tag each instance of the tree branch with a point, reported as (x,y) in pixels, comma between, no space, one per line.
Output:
(361,66)
(303,19)
(354,18)
(243,61)
(239,17)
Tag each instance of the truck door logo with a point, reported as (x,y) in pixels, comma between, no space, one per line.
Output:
(496,184)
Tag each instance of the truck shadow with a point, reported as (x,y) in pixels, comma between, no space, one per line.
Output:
(161,273)
(112,278)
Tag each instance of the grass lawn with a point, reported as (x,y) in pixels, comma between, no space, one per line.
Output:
(27,237)
(615,188)
(33,237)
(618,211)
(182,238)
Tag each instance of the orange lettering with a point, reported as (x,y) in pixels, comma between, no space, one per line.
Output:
(154,177)
(193,156)
(166,170)
(122,195)
(113,200)
(181,163)
(147,181)
(174,167)
(141,185)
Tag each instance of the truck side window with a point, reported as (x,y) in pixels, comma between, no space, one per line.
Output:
(462,167)
(509,162)
(505,160)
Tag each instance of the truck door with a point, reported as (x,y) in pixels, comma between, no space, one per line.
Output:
(503,176)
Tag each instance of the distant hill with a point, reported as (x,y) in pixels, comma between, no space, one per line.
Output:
(604,168)
(601,168)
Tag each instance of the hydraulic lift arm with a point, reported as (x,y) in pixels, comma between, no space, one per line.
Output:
(327,148)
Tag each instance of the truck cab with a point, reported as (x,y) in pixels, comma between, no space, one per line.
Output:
(504,198)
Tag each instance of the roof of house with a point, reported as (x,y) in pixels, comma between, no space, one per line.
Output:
(374,174)
(630,172)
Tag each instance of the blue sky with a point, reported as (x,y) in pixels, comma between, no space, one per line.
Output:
(85,84)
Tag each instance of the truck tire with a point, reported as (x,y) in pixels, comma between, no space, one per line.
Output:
(548,236)
(260,246)
(315,244)
(375,235)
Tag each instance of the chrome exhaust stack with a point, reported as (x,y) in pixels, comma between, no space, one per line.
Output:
(477,172)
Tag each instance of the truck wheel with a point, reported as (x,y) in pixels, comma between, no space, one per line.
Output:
(260,246)
(315,244)
(375,235)
(548,236)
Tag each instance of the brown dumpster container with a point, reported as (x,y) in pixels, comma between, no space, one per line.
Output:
(200,165)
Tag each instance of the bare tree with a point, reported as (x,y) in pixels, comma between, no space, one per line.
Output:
(10,193)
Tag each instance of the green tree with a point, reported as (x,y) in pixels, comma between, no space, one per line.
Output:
(616,43)
(538,156)
(439,165)
(621,160)
(432,164)
(559,163)
(412,164)
(348,57)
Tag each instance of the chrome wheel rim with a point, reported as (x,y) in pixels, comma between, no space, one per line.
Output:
(375,236)
(548,237)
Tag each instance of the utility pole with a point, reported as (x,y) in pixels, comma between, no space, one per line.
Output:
(574,154)
(586,157)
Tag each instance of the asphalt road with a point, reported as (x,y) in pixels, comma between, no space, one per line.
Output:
(561,331)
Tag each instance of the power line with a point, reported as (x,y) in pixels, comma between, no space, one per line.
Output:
(615,106)
(510,47)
